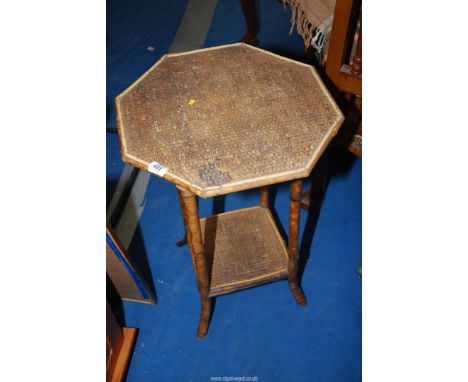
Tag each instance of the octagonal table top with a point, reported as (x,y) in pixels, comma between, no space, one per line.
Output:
(226,119)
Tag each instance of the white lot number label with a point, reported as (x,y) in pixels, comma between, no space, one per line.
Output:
(156,168)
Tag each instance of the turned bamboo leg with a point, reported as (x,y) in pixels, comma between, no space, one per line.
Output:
(264,196)
(192,222)
(249,8)
(293,251)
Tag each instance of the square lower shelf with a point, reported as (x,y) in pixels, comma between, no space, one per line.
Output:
(243,248)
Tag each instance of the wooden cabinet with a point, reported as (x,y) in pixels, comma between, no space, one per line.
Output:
(119,347)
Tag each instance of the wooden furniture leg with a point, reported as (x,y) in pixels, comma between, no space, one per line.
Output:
(293,248)
(195,241)
(264,196)
(251,19)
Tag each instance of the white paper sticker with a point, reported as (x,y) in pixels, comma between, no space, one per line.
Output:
(156,168)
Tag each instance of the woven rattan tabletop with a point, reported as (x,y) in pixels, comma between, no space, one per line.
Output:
(226,119)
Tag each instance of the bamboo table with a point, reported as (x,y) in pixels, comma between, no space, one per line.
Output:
(221,120)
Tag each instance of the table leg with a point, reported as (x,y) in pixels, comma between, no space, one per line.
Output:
(249,8)
(264,196)
(195,241)
(293,250)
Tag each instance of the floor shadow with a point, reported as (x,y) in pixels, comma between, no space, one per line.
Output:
(136,251)
(213,306)
(123,198)
(111,186)
(139,257)
(334,162)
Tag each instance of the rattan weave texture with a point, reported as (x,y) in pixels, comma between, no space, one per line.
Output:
(227,118)
(243,248)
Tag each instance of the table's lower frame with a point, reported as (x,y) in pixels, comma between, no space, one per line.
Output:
(195,241)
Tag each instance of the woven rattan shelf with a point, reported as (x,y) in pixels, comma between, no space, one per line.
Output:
(243,249)
(225,119)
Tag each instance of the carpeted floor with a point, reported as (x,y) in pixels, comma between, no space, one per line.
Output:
(260,332)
